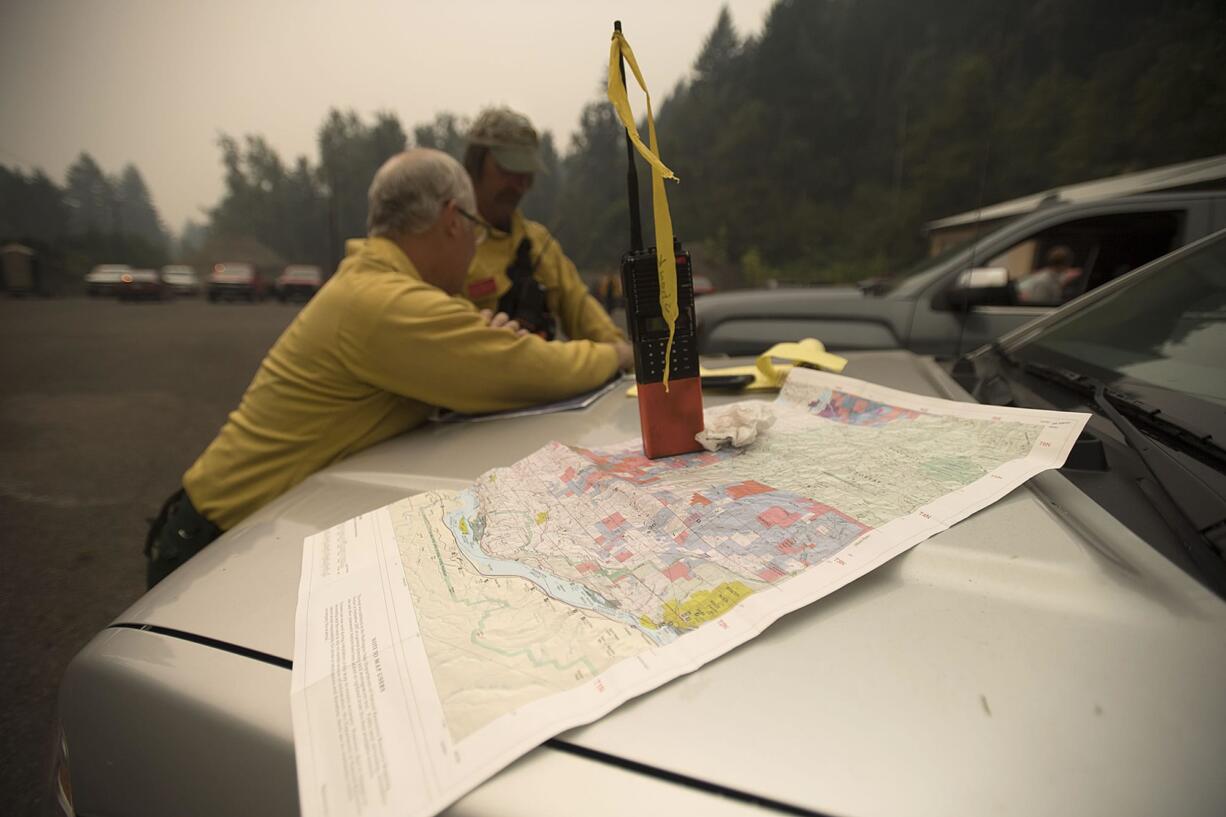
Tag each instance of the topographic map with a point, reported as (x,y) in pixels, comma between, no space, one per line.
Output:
(559,586)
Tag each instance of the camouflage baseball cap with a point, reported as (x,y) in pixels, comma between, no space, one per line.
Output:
(510,137)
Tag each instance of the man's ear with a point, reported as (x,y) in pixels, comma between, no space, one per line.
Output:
(451,218)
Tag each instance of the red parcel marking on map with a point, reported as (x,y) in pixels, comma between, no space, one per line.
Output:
(777,516)
(748,488)
(614,520)
(770,573)
(677,570)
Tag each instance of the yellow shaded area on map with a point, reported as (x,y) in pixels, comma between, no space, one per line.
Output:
(705,605)
(541,516)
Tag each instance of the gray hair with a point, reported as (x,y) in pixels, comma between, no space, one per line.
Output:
(410,189)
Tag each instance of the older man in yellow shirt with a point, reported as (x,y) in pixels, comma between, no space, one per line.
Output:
(521,270)
(382,344)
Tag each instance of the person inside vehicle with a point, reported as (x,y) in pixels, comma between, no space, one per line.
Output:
(520,270)
(1045,286)
(372,355)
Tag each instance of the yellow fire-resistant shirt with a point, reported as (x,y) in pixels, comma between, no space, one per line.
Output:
(578,313)
(367,358)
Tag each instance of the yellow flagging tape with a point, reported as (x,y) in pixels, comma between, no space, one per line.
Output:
(666,263)
(768,375)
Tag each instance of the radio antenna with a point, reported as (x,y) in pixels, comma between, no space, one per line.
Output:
(632,177)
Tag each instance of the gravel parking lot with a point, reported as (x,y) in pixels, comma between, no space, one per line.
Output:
(103,406)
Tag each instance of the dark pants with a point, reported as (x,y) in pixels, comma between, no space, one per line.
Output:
(178,533)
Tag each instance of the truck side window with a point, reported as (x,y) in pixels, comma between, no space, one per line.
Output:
(1060,263)
(1019,260)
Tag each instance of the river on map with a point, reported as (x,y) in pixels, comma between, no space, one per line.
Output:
(564,590)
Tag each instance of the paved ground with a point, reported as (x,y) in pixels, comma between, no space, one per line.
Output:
(102,407)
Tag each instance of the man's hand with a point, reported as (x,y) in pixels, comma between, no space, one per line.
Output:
(625,355)
(502,321)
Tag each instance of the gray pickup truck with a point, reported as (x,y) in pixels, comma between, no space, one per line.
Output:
(967,295)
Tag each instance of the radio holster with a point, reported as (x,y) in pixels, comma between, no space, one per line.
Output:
(525,302)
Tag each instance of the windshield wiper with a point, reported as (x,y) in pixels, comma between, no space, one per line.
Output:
(1194,512)
(1161,425)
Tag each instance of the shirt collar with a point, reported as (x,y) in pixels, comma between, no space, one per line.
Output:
(518,230)
(383,251)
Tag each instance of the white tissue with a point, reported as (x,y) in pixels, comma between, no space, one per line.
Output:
(736,424)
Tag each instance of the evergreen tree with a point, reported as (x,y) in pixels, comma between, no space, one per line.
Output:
(445,133)
(350,152)
(32,208)
(136,213)
(90,197)
(817,150)
(591,219)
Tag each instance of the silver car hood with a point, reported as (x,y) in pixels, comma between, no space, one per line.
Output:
(1035,658)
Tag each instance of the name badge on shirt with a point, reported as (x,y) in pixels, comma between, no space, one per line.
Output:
(479,289)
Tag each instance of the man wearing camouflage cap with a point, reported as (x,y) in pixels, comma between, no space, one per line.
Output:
(520,269)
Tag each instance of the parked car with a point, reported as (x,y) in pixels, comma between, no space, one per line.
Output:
(181,280)
(1059,652)
(105,279)
(141,285)
(298,281)
(965,296)
(233,281)
(703,285)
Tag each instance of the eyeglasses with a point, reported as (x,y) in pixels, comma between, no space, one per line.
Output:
(482,229)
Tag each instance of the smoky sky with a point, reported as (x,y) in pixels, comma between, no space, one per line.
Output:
(153,82)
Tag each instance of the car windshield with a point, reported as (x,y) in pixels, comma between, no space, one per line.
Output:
(1163,327)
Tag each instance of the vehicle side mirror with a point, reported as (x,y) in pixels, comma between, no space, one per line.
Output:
(981,286)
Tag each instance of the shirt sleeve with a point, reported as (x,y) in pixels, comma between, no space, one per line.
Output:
(581,315)
(423,344)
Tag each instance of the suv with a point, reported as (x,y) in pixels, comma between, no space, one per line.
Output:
(968,294)
(232,281)
(1059,652)
(298,281)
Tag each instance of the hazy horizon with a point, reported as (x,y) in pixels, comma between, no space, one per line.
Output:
(155,83)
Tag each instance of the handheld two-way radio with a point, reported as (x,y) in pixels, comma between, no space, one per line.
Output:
(665,358)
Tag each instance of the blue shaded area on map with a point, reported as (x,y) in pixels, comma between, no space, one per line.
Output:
(784,532)
(750,528)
